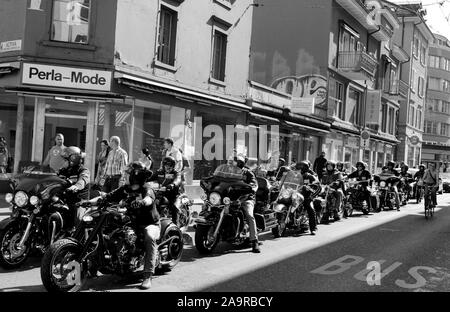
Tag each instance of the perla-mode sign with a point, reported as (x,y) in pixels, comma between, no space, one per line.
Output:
(66,77)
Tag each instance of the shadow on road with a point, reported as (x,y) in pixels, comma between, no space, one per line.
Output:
(409,240)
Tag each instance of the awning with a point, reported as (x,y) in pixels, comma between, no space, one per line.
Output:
(296,125)
(71,93)
(258,116)
(142,84)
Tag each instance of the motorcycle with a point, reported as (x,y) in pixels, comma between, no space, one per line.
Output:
(222,216)
(405,191)
(106,241)
(40,215)
(355,198)
(329,195)
(419,188)
(386,192)
(183,206)
(288,216)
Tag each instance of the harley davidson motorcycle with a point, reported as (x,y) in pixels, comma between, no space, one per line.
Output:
(222,216)
(290,216)
(40,215)
(405,192)
(331,208)
(356,199)
(107,241)
(386,191)
(184,215)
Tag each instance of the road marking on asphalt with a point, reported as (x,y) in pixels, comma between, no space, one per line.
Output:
(372,274)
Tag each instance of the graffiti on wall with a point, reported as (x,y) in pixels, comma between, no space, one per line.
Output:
(306,86)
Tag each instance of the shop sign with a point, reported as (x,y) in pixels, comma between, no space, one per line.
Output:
(8,46)
(373,103)
(66,77)
(414,140)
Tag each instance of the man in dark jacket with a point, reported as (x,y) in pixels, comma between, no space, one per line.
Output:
(308,179)
(362,174)
(278,173)
(333,176)
(79,175)
(148,218)
(319,165)
(170,182)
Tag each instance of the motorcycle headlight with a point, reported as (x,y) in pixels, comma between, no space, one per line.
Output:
(214,198)
(87,218)
(227,201)
(21,199)
(34,200)
(382,184)
(9,197)
(203,197)
(36,211)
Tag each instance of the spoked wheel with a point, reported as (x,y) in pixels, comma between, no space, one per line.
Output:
(205,242)
(11,255)
(60,270)
(348,210)
(171,252)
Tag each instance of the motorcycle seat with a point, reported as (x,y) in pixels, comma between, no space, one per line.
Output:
(262,194)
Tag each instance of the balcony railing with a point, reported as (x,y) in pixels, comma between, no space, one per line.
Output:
(357,62)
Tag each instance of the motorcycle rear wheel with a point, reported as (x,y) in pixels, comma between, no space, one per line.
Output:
(10,256)
(66,250)
(203,243)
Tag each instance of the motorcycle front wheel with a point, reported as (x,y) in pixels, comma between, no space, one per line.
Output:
(174,249)
(205,242)
(280,229)
(60,272)
(11,256)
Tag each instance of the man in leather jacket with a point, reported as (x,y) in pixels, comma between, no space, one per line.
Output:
(308,179)
(361,174)
(279,172)
(170,181)
(249,177)
(392,171)
(407,179)
(330,176)
(147,215)
(79,175)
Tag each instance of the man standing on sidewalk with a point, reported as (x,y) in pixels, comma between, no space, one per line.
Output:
(116,165)
(319,165)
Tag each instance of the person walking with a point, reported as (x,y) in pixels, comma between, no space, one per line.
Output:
(146,159)
(319,165)
(101,163)
(116,165)
(54,159)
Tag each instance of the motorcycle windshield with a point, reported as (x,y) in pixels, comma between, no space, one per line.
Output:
(293,180)
(31,183)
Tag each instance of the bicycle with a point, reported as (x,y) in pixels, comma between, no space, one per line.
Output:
(429,207)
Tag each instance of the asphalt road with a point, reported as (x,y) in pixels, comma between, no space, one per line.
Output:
(411,254)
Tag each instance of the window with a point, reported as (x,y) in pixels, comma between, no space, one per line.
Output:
(70,21)
(423,53)
(167,36)
(433,61)
(433,105)
(412,81)
(416,45)
(391,120)
(445,86)
(412,111)
(419,118)
(444,129)
(337,95)
(348,40)
(219,55)
(445,107)
(384,117)
(430,127)
(421,86)
(353,106)
(434,83)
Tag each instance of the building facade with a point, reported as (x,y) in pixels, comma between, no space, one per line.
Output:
(414,36)
(142,70)
(336,63)
(436,136)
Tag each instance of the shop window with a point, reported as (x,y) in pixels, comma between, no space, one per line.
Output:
(167,36)
(70,21)
(219,55)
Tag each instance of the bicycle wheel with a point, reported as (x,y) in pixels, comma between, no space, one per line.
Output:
(427,203)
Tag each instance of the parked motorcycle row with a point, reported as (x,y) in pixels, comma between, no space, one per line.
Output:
(42,222)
